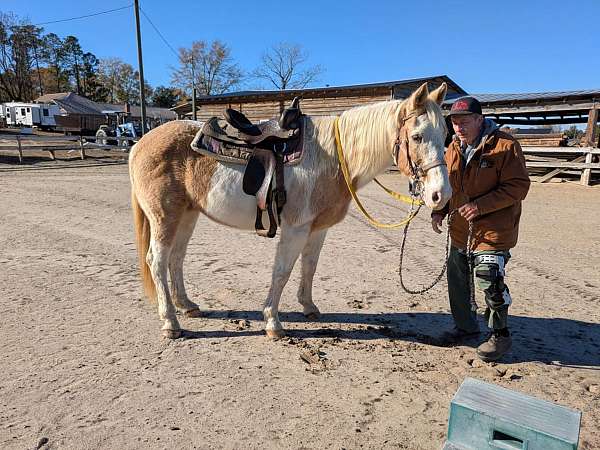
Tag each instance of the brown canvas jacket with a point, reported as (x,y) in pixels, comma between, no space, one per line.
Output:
(496,179)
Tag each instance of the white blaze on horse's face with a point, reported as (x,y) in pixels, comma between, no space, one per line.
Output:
(426,145)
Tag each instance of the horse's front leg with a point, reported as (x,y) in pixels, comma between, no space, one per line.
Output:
(310,258)
(291,242)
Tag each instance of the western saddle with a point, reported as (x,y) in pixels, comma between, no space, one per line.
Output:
(264,148)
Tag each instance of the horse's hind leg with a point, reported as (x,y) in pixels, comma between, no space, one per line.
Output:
(291,243)
(179,295)
(162,237)
(309,260)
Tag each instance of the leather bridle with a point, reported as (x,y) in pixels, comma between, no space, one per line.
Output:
(401,145)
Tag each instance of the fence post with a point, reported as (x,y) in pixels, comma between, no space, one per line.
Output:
(590,141)
(81,149)
(20,149)
(586,174)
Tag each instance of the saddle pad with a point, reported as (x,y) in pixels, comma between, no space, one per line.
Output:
(240,153)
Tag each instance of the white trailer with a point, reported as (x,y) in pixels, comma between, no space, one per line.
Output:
(47,113)
(41,115)
(9,114)
(22,114)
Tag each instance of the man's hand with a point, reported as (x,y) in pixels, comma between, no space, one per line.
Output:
(436,222)
(469,211)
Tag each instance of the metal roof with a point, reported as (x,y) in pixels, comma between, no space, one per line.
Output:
(589,94)
(152,112)
(321,92)
(72,103)
(51,97)
(385,84)
(109,107)
(332,90)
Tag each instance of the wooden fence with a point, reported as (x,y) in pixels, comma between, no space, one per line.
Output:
(571,160)
(25,142)
(544,163)
(547,155)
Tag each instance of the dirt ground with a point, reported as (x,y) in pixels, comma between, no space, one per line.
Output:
(83,365)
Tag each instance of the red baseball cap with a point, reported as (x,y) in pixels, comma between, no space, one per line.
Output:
(465,105)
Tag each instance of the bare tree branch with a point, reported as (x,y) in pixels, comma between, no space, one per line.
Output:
(119,81)
(213,69)
(282,65)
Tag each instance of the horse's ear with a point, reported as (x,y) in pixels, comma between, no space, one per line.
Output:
(438,95)
(418,97)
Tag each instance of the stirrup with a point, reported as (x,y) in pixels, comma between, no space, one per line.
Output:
(258,225)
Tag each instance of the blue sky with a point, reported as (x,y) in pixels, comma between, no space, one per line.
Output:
(500,47)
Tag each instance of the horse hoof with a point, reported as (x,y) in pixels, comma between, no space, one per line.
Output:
(313,316)
(171,334)
(275,334)
(193,313)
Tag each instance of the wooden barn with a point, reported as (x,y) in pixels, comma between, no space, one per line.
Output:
(263,105)
(549,153)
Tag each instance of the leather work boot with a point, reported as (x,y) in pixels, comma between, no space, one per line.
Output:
(457,334)
(495,347)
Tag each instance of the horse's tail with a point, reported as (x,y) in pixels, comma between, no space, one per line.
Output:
(142,237)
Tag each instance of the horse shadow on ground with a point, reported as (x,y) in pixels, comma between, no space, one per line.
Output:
(556,341)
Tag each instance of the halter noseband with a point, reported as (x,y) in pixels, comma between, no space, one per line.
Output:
(416,170)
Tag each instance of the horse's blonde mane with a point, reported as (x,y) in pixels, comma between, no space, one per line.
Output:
(368,134)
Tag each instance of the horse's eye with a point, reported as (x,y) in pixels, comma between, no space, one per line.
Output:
(417,138)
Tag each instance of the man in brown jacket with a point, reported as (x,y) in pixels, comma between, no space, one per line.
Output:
(489,180)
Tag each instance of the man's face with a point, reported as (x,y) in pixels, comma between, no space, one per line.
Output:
(467,127)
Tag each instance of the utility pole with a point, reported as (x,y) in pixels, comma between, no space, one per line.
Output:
(136,8)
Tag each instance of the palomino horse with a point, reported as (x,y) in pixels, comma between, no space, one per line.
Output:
(172,185)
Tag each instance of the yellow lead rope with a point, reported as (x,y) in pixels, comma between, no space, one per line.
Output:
(362,209)
(403,198)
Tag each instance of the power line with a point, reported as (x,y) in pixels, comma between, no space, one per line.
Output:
(113,10)
(179,58)
(87,15)
(159,33)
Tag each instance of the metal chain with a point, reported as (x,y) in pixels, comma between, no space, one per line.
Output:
(469,254)
(443,271)
(470,262)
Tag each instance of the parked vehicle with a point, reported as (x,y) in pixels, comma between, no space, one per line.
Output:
(130,130)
